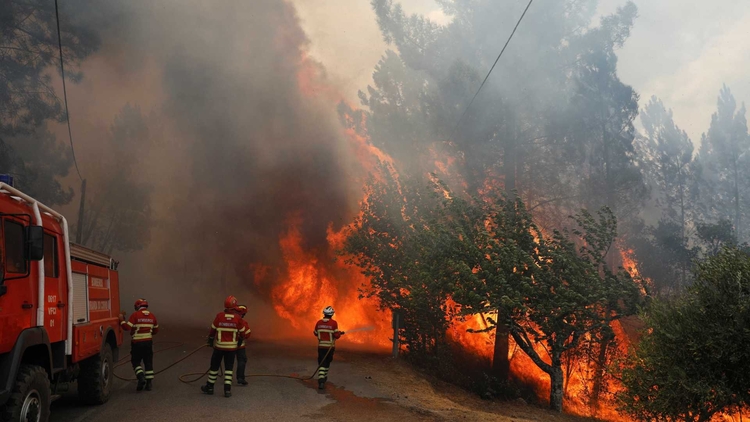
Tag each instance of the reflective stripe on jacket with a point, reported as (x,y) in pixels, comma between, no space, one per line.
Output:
(142,325)
(227,329)
(327,331)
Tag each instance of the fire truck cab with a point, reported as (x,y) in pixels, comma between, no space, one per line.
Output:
(59,307)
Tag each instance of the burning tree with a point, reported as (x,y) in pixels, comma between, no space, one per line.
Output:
(489,258)
(392,242)
(555,293)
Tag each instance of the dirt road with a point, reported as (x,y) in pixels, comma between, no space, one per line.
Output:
(362,387)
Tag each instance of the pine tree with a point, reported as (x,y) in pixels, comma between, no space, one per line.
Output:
(725,164)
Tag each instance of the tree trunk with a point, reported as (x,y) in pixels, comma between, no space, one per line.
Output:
(500,362)
(683,242)
(509,165)
(554,370)
(81,206)
(556,386)
(569,366)
(737,227)
(609,186)
(596,390)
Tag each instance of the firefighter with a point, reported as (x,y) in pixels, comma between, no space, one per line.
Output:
(327,332)
(241,352)
(227,330)
(142,326)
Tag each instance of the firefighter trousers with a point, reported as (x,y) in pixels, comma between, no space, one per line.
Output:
(228,357)
(324,362)
(142,351)
(241,363)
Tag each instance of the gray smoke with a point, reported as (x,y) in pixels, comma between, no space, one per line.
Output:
(238,147)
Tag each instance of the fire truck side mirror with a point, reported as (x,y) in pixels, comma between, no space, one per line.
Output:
(35,243)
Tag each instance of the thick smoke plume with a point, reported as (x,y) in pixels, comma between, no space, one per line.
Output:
(246,150)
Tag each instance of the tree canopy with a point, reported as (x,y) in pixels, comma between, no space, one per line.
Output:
(694,361)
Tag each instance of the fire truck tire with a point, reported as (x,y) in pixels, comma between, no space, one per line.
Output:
(95,380)
(30,398)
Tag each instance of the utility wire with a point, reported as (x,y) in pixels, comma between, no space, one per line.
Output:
(65,91)
(466,110)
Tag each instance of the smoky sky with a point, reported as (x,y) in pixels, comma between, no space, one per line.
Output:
(244,143)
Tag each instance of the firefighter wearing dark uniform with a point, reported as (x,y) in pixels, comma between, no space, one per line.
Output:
(241,352)
(327,332)
(227,330)
(142,326)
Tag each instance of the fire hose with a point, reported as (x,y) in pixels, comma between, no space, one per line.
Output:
(181,377)
(123,361)
(203,374)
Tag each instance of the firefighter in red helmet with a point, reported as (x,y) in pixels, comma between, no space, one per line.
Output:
(142,326)
(227,330)
(327,332)
(241,352)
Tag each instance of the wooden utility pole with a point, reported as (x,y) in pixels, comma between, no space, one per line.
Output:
(79,229)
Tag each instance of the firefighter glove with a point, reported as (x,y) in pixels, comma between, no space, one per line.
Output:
(210,341)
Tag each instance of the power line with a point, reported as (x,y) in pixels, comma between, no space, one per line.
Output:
(466,110)
(65,91)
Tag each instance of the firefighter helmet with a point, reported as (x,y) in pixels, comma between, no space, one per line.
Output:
(230,302)
(140,303)
(242,310)
(328,311)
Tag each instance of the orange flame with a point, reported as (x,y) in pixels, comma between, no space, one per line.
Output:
(313,280)
(312,277)
(577,385)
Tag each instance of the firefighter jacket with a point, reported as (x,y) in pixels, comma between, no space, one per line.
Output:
(142,325)
(327,332)
(227,330)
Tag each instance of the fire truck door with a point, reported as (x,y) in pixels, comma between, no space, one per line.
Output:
(55,288)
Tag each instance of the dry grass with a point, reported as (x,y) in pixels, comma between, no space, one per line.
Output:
(439,400)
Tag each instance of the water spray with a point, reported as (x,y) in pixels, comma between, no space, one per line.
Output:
(358,329)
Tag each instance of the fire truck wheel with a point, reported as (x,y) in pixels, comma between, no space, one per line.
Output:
(95,381)
(30,398)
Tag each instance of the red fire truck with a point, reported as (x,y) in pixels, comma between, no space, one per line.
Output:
(58,312)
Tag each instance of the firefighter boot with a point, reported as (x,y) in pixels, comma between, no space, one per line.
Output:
(227,391)
(141,382)
(208,389)
(321,383)
(242,381)
(148,385)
